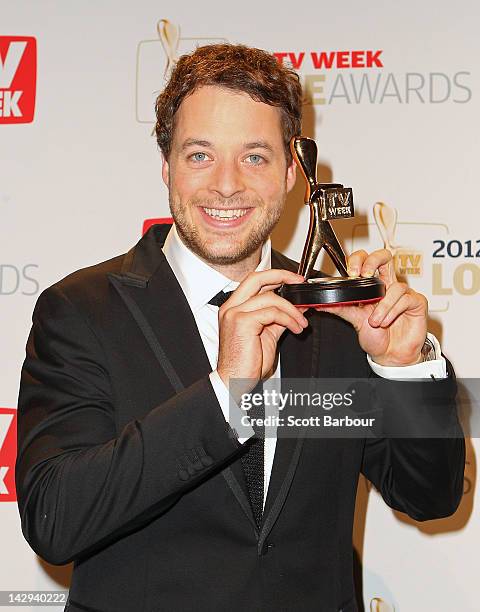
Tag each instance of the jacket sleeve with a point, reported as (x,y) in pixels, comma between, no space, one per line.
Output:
(81,484)
(418,463)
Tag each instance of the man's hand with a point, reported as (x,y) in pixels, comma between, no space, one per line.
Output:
(393,330)
(251,322)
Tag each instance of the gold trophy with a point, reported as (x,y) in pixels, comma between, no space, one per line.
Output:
(327,201)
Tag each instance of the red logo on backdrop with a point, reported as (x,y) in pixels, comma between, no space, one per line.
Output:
(147,224)
(18,78)
(8,452)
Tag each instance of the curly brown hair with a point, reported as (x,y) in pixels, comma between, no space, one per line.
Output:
(236,67)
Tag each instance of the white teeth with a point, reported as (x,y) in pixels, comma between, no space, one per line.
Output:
(225,214)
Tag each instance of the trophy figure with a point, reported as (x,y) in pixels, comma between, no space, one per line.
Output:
(327,201)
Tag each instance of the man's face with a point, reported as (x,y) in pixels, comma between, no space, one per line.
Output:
(227,173)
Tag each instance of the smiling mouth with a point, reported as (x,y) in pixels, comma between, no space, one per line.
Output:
(217,213)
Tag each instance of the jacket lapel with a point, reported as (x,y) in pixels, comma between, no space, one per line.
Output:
(148,281)
(298,359)
(156,301)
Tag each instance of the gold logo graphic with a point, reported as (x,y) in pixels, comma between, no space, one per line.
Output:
(379,605)
(408,261)
(422,268)
(169,35)
(155,59)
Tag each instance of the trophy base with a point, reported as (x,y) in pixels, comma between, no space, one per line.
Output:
(331,291)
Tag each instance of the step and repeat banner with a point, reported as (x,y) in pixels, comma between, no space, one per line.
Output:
(392,99)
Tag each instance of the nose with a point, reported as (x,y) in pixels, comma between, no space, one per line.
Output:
(227,180)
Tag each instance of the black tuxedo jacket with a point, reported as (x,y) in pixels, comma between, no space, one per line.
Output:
(127,467)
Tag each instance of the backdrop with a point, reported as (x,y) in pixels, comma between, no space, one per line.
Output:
(392,101)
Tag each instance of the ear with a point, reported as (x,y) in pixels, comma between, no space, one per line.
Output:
(165,170)
(291,175)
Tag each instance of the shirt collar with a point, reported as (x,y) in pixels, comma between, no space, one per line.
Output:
(198,280)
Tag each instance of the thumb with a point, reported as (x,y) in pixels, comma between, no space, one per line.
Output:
(276,330)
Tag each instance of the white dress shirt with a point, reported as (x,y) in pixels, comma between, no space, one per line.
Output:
(200,283)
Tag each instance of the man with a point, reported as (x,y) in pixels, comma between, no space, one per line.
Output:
(128,463)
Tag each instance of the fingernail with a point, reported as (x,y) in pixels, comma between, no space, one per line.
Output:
(367,273)
(304,321)
(352,271)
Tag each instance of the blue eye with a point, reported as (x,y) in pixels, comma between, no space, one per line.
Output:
(199,157)
(255,159)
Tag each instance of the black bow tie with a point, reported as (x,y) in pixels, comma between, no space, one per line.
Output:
(220,298)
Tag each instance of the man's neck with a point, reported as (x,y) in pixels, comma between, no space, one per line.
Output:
(182,259)
(239,270)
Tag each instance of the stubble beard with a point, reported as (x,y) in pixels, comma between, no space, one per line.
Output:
(255,239)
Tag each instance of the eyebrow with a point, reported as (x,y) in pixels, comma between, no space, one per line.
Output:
(257,144)
(190,142)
